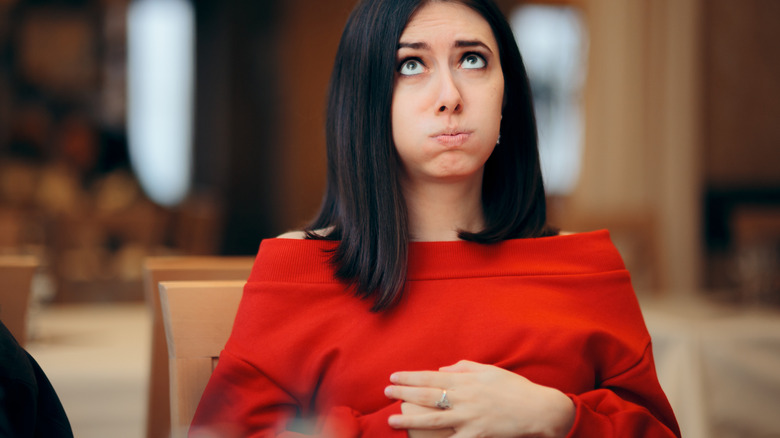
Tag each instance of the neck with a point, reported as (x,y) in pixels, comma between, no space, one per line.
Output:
(437,211)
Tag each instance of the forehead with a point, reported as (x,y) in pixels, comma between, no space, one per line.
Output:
(447,20)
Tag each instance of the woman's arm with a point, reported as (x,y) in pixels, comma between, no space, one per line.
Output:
(240,401)
(630,401)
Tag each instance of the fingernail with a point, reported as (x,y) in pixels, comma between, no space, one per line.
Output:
(393,421)
(394,377)
(389,391)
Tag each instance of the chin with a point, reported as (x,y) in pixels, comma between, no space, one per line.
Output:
(454,177)
(459,172)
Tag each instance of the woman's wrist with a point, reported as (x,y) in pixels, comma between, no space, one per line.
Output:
(562,414)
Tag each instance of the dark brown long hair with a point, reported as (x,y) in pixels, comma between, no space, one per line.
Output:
(364,208)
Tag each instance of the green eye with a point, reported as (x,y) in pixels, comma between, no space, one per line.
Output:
(411,67)
(473,61)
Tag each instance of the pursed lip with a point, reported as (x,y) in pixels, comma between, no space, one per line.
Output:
(451,137)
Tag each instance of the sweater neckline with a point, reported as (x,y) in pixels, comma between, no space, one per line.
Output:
(307,261)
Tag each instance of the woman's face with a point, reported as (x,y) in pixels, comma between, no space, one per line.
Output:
(448,94)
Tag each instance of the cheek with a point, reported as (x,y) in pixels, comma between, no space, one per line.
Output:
(406,135)
(403,120)
(490,108)
(496,105)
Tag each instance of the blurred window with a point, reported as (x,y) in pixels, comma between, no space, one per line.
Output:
(161,39)
(553,41)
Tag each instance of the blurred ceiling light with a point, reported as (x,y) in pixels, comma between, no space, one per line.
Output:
(553,42)
(160,96)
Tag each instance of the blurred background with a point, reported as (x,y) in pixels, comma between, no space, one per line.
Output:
(658,120)
(143,128)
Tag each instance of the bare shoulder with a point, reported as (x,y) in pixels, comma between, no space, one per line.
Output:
(302,234)
(292,235)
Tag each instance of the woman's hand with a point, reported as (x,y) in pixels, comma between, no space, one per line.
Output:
(486,401)
(413,409)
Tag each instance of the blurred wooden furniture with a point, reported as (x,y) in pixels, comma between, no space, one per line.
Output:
(183,268)
(198,317)
(717,363)
(756,234)
(11,227)
(16,274)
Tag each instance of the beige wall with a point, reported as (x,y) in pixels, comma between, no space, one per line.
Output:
(642,140)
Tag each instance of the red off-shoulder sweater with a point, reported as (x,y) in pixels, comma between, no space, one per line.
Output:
(559,311)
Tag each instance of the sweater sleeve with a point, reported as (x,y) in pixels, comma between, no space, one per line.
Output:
(241,401)
(631,403)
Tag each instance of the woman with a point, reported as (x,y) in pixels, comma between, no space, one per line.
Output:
(429,297)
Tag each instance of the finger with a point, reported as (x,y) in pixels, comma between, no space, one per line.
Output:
(430,379)
(419,396)
(434,420)
(462,366)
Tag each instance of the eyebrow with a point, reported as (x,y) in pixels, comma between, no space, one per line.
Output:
(474,43)
(459,44)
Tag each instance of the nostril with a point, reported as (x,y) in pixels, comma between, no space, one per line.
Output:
(442,108)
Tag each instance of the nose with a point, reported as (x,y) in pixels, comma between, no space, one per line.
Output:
(450,101)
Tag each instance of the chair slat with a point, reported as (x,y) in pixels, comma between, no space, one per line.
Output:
(198,317)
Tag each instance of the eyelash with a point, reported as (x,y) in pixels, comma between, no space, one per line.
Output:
(463,58)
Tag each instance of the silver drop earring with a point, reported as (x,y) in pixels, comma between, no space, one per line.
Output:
(499,139)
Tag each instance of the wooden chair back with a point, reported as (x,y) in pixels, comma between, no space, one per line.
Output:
(198,318)
(16,274)
(180,268)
